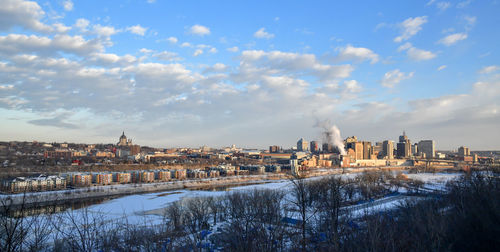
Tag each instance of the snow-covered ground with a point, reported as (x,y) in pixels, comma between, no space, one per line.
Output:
(135,208)
(434,181)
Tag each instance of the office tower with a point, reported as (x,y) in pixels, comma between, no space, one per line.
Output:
(404,146)
(302,145)
(463,151)
(274,149)
(358,148)
(388,149)
(427,147)
(314,146)
(367,150)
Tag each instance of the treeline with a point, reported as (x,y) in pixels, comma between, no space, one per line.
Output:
(309,215)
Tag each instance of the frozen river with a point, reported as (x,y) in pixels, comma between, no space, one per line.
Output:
(139,208)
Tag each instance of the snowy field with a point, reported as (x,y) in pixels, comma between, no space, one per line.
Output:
(149,206)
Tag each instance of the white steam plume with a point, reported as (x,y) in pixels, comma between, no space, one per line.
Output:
(331,135)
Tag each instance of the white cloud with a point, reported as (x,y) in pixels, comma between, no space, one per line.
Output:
(392,78)
(452,39)
(261,33)
(198,52)
(172,40)
(137,29)
(463,4)
(489,69)
(186,44)
(256,63)
(212,50)
(104,31)
(441,67)
(216,68)
(26,14)
(443,5)
(68,5)
(199,30)
(410,27)
(352,86)
(415,53)
(82,24)
(107,59)
(145,50)
(61,28)
(167,56)
(19,43)
(419,54)
(233,49)
(357,54)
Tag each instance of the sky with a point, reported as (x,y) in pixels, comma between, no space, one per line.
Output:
(254,74)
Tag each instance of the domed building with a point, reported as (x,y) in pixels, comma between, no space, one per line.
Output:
(123,140)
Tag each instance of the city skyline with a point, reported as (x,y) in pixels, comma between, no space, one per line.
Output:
(193,74)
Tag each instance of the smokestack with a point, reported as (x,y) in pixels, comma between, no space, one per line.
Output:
(331,135)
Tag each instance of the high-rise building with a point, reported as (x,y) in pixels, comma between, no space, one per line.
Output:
(274,149)
(327,148)
(358,148)
(314,146)
(302,145)
(404,146)
(414,149)
(463,151)
(367,150)
(377,149)
(388,149)
(350,141)
(427,147)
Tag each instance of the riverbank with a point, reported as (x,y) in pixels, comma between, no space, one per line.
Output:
(68,195)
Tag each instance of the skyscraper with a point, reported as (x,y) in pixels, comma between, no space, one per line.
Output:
(358,148)
(302,145)
(404,146)
(367,150)
(463,151)
(388,149)
(427,147)
(314,146)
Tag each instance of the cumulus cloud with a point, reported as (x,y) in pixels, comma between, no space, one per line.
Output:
(489,69)
(255,63)
(186,44)
(394,77)
(68,5)
(452,39)
(352,86)
(172,40)
(410,27)
(198,52)
(199,30)
(137,29)
(262,34)
(104,31)
(167,56)
(357,54)
(233,49)
(216,68)
(20,43)
(82,24)
(26,14)
(415,53)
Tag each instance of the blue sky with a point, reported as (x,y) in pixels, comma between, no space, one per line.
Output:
(258,73)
